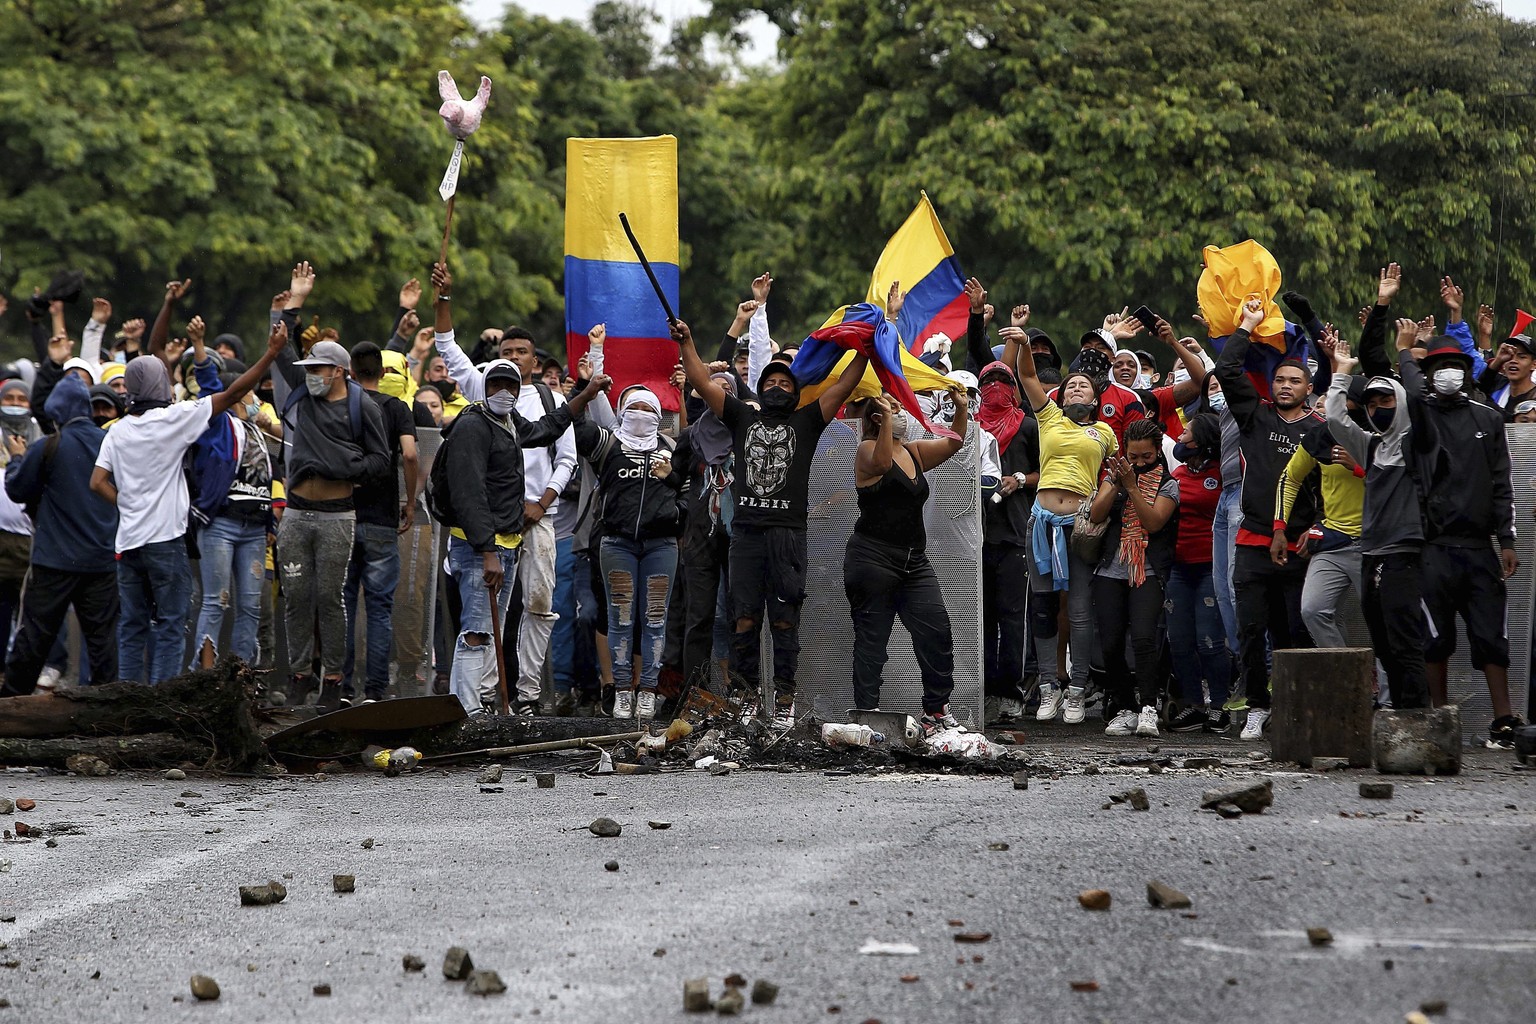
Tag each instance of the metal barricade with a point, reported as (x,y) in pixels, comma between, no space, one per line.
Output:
(953,520)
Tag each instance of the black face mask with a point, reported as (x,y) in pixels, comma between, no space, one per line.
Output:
(1078,412)
(446,388)
(1189,454)
(1382,418)
(777,401)
(264,395)
(102,421)
(1149,467)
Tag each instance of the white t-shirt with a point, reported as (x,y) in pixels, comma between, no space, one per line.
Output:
(143,454)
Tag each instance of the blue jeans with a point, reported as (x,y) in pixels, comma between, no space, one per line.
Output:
(562,640)
(474,679)
(1196,635)
(1229,517)
(233,568)
(375,567)
(154,588)
(623,562)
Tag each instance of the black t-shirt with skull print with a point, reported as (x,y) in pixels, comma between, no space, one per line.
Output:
(773,462)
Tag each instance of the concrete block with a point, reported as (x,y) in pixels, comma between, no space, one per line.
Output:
(1322,705)
(1421,741)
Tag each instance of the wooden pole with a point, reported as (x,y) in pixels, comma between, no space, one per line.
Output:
(501,665)
(547,747)
(442,256)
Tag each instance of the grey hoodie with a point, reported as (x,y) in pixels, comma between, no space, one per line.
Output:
(1395,462)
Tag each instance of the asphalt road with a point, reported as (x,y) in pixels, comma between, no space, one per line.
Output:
(779,876)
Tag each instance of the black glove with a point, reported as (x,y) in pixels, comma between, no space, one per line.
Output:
(1298,304)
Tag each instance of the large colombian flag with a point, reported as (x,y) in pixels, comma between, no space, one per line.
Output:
(920,257)
(1231,277)
(604,282)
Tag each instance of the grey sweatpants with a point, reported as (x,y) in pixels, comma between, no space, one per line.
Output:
(313,550)
(1328,575)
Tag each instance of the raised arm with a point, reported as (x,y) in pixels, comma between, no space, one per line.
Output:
(833,398)
(1185,391)
(935,451)
(977,352)
(759,345)
(471,381)
(1029,379)
(876,457)
(225,400)
(1346,432)
(697,373)
(95,329)
(1242,397)
(161,332)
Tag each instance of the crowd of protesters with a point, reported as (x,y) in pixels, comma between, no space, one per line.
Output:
(1146,546)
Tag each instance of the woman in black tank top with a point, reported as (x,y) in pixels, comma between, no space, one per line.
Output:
(886,571)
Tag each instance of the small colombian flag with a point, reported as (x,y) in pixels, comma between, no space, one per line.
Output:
(920,257)
(604,282)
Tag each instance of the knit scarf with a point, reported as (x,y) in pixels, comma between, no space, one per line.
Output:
(1133,536)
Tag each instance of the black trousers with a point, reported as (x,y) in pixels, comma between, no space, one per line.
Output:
(44,603)
(1268,607)
(884,581)
(768,569)
(1004,617)
(1468,582)
(1120,608)
(705,563)
(1394,613)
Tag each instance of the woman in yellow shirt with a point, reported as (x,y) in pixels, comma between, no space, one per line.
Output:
(1073,446)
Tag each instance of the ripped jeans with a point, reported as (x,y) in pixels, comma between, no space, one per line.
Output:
(474,678)
(234,569)
(654,563)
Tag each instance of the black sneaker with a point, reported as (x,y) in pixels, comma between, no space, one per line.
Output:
(1217,721)
(565,704)
(330,696)
(1191,719)
(1501,734)
(525,708)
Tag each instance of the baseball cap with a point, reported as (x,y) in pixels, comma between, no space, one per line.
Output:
(503,369)
(1523,343)
(327,353)
(1379,385)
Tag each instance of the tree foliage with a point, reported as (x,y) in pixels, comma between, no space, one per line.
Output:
(1080,152)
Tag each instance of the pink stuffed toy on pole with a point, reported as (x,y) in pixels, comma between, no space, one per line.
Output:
(461,117)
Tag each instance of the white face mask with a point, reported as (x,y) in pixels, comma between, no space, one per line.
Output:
(316,385)
(1218,401)
(1448,380)
(641,422)
(501,403)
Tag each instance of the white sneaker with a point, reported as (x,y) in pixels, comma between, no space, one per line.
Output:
(645,708)
(1258,721)
(1008,708)
(1146,722)
(1076,707)
(49,678)
(624,704)
(1050,702)
(1123,724)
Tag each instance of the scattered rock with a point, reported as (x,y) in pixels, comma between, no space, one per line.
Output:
(7,806)
(659,951)
(1376,790)
(1415,1017)
(997,847)
(1228,810)
(1021,780)
(908,979)
(1091,769)
(175,775)
(973,937)
(1084,986)
(1417,740)
(764,992)
(26,805)
(1329,764)
(191,794)
(544,780)
(322,989)
(1319,936)
(721,767)
(696,995)
(23,829)
(490,775)
(1161,894)
(1138,799)
(52,844)
(612,865)
(485,983)
(87,764)
(368,843)
(493,789)
(659,825)
(607,828)
(1257,755)
(413,963)
(262,895)
(1433,1007)
(344,883)
(457,964)
(204,987)
(1094,899)
(735,981)
(1249,797)
(1200,762)
(731,1003)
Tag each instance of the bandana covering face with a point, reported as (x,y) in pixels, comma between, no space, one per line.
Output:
(1000,413)
(638,426)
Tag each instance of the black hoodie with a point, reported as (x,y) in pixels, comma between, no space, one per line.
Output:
(485,465)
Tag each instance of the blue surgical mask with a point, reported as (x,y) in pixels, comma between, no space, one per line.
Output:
(1218,402)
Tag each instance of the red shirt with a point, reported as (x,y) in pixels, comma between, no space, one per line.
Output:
(1199,491)
(1158,405)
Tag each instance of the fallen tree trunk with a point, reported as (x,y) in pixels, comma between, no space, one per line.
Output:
(209,708)
(155,750)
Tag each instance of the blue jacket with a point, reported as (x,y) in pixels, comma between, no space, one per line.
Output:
(214,462)
(75,528)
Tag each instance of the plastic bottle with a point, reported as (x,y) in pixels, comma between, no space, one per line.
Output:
(400,759)
(837,735)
